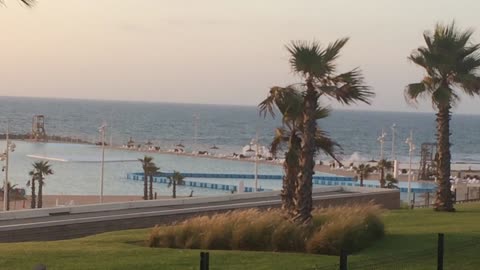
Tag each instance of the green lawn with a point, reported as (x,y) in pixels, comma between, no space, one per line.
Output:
(410,243)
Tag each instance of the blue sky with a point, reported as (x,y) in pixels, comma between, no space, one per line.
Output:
(221,52)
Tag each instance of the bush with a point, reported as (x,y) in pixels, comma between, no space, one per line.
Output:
(348,227)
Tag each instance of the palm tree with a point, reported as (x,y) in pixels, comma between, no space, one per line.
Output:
(10,189)
(316,65)
(391,181)
(152,171)
(363,171)
(289,102)
(31,182)
(175,180)
(146,162)
(383,165)
(42,169)
(451,62)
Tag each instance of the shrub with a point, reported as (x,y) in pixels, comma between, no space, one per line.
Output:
(289,237)
(333,228)
(351,228)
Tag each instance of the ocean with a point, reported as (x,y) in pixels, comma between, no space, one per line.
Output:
(232,127)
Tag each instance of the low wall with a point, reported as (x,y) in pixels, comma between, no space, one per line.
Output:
(389,199)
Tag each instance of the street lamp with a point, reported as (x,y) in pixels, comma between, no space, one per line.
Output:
(411,149)
(381,139)
(394,126)
(196,119)
(102,130)
(10,147)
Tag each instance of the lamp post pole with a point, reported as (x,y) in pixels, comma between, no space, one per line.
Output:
(5,156)
(102,131)
(381,139)
(196,118)
(5,185)
(393,142)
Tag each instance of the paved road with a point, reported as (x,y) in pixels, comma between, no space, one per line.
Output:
(8,225)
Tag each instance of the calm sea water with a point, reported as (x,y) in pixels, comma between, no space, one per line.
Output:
(231,127)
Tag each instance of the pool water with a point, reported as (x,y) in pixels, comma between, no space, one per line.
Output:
(79,174)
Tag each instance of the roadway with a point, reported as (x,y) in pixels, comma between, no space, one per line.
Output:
(65,226)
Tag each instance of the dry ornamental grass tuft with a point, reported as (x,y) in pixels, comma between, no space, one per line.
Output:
(349,227)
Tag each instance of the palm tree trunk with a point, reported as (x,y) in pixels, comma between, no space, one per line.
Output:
(361,180)
(150,190)
(174,189)
(40,193)
(33,202)
(290,168)
(303,194)
(382,177)
(444,200)
(145,185)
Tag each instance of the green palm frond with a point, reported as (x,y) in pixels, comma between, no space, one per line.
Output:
(347,88)
(287,100)
(326,144)
(279,139)
(42,168)
(176,178)
(333,50)
(307,58)
(322,112)
(451,62)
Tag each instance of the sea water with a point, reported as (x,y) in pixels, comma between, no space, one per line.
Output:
(232,127)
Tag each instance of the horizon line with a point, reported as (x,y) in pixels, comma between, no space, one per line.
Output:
(214,104)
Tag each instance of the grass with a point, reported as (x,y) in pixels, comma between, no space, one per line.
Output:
(410,243)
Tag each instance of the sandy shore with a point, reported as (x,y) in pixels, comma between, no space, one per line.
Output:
(53,200)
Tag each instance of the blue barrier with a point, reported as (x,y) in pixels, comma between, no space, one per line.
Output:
(165,180)
(243,176)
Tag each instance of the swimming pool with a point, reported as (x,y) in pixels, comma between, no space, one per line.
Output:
(79,173)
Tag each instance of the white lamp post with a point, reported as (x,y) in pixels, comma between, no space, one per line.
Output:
(10,147)
(394,126)
(196,119)
(102,130)
(256,162)
(411,149)
(381,139)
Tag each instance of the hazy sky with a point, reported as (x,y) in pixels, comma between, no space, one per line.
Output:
(221,52)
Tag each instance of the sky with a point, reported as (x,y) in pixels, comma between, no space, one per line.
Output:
(212,51)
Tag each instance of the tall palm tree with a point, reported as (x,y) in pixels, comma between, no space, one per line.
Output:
(363,171)
(289,102)
(317,67)
(152,171)
(383,165)
(175,180)
(451,62)
(42,169)
(31,183)
(146,162)
(10,189)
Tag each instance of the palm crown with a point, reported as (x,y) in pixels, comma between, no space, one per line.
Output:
(317,66)
(450,62)
(289,101)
